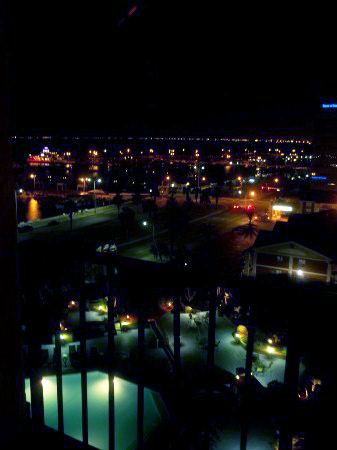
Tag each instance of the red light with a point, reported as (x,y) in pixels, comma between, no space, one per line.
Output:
(132,10)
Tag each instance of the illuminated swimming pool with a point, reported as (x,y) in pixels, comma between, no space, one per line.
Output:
(98,390)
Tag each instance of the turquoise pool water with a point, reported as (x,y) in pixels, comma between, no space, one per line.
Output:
(125,409)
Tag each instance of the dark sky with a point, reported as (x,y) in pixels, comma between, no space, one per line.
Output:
(171,66)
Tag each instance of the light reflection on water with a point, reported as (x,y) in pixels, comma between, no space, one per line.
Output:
(33,209)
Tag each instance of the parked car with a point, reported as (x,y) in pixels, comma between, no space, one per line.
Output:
(25,229)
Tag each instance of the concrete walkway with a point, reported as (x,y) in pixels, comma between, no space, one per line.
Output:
(228,354)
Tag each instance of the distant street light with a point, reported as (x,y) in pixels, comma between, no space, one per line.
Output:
(98,181)
(145,224)
(84,179)
(33,176)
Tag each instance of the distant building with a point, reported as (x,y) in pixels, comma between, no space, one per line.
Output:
(315,201)
(307,202)
(304,248)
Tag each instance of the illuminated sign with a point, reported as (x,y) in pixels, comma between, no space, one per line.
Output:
(282,208)
(329,105)
(318,178)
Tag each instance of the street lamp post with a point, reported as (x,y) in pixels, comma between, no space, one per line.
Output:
(33,176)
(198,168)
(145,223)
(83,179)
(98,181)
(16,202)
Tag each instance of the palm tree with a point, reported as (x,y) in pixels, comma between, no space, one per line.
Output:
(204,198)
(70,208)
(217,192)
(187,194)
(248,231)
(211,328)
(118,201)
(137,199)
(150,207)
(155,252)
(127,220)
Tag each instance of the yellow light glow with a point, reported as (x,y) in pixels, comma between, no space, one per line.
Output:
(102,387)
(252,193)
(46,383)
(270,349)
(270,341)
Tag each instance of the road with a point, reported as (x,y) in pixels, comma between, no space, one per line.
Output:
(224,220)
(80,220)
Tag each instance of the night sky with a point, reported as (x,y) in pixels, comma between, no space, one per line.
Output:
(166,68)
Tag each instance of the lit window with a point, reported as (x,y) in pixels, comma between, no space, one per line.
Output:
(280,258)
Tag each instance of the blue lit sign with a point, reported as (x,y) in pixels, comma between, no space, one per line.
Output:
(329,105)
(318,178)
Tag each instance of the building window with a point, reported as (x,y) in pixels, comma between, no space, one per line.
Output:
(280,258)
(302,262)
(278,271)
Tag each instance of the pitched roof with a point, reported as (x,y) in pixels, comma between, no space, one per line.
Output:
(317,231)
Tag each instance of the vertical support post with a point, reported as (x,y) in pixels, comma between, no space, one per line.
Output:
(83,360)
(110,275)
(290,265)
(12,394)
(254,263)
(176,332)
(58,361)
(328,275)
(291,374)
(245,405)
(36,387)
(140,389)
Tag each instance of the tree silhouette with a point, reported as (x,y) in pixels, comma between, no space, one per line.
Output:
(118,201)
(127,220)
(70,208)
